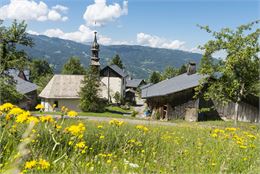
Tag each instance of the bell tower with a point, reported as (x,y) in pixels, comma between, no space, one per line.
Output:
(94,63)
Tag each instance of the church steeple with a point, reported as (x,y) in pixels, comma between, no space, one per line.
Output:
(95,49)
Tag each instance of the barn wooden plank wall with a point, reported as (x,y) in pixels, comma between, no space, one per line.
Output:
(246,112)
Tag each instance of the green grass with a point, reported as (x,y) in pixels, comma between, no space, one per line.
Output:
(111,111)
(81,146)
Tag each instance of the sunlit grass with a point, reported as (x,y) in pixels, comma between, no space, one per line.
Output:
(78,146)
(111,111)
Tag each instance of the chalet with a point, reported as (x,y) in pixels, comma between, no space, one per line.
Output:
(132,87)
(24,87)
(63,90)
(115,80)
(173,99)
(134,83)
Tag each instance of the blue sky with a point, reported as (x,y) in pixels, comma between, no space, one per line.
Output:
(166,24)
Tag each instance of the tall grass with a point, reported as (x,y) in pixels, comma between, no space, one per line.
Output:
(76,146)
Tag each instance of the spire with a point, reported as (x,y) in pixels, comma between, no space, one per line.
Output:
(95,45)
(95,51)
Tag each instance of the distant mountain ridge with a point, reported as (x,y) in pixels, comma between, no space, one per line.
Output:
(139,61)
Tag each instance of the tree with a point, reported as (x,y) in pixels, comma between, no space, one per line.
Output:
(73,66)
(11,58)
(169,72)
(182,69)
(40,73)
(117,97)
(39,68)
(155,77)
(238,73)
(116,60)
(89,93)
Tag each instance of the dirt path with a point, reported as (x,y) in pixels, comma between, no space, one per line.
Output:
(131,121)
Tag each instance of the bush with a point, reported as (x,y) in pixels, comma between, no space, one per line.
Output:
(117,97)
(134,113)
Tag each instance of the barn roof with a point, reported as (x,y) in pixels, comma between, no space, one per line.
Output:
(22,86)
(146,86)
(134,83)
(63,86)
(117,69)
(175,84)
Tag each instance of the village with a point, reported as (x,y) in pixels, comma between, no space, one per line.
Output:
(168,87)
(169,99)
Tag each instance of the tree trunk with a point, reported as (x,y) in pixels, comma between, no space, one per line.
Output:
(241,93)
(236,113)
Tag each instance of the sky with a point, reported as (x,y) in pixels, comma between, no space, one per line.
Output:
(170,24)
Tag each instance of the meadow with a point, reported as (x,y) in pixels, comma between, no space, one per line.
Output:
(45,145)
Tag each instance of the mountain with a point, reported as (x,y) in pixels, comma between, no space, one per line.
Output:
(139,61)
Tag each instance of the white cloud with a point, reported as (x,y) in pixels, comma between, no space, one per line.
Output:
(60,8)
(155,41)
(83,35)
(100,13)
(196,50)
(159,42)
(31,10)
(33,32)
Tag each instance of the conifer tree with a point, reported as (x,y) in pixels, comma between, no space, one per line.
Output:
(117,61)
(89,93)
(73,66)
(11,58)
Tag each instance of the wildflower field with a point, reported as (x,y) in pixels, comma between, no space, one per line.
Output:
(31,144)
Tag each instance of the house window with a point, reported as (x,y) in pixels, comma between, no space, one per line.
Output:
(56,103)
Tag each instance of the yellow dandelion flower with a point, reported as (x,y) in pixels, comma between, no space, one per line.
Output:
(39,106)
(214,135)
(218,131)
(22,117)
(252,146)
(30,164)
(72,114)
(32,119)
(102,137)
(231,129)
(109,161)
(44,164)
(15,111)
(116,122)
(58,127)
(76,130)
(6,107)
(142,128)
(251,136)
(99,126)
(46,118)
(80,145)
(243,147)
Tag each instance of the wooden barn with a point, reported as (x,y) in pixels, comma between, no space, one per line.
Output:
(173,99)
